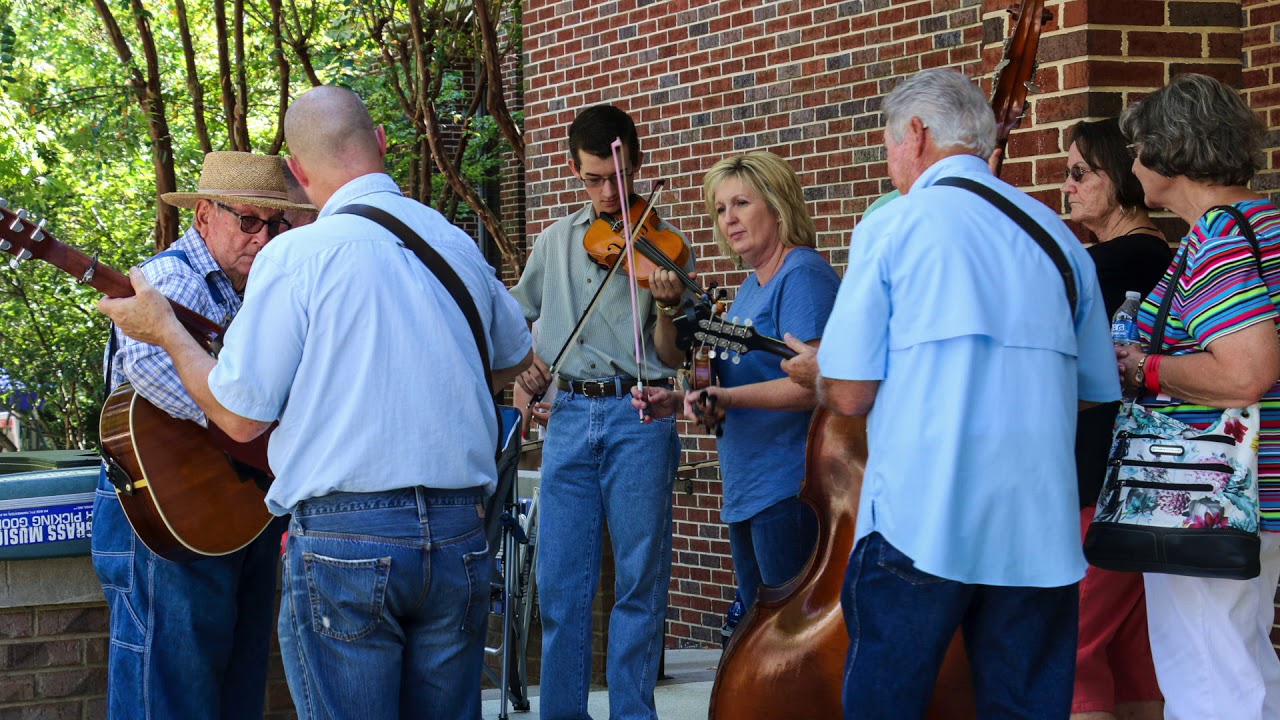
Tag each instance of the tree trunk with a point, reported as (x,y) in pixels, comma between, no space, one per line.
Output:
(151,99)
(194,88)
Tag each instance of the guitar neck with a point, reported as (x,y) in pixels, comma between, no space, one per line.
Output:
(115,284)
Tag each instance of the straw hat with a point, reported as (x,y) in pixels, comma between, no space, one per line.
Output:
(239,177)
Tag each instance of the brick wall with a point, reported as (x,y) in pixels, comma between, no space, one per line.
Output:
(805,80)
(53,662)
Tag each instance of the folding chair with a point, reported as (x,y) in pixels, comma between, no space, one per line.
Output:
(503,531)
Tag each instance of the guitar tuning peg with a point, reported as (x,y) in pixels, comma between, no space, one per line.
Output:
(23,254)
(37,233)
(5,245)
(747,323)
(711,353)
(1002,64)
(3,203)
(1032,87)
(18,217)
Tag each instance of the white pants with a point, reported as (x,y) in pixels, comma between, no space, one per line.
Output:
(1211,642)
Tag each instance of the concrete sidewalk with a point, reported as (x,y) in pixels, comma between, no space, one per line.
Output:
(683,696)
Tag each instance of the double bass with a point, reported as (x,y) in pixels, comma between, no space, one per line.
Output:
(786,660)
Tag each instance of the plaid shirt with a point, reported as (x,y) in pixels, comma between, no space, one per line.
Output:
(148,368)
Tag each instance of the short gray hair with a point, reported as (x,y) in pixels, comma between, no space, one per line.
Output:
(1199,128)
(949,104)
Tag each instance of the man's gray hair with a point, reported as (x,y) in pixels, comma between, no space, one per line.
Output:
(949,104)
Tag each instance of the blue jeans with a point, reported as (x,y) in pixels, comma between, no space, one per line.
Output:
(600,464)
(1021,641)
(385,603)
(772,546)
(187,640)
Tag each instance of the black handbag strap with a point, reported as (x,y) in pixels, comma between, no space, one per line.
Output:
(438,265)
(1162,315)
(1031,227)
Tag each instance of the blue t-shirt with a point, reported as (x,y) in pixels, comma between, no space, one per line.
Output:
(762,451)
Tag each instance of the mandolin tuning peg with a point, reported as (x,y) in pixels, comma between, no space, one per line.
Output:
(747,323)
(16,260)
(5,245)
(711,354)
(1002,64)
(37,233)
(1032,87)
(18,217)
(737,359)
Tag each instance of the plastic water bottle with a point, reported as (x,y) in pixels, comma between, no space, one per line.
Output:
(1124,326)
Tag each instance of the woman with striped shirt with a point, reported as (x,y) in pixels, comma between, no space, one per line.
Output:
(1196,145)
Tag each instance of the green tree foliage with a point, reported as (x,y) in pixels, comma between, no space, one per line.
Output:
(81,84)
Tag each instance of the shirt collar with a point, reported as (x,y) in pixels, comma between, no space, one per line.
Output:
(358,188)
(585,216)
(951,165)
(198,256)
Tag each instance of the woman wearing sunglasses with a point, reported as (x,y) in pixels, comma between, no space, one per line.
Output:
(1114,673)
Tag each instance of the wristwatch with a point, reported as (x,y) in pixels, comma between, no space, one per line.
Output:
(1140,377)
(668,310)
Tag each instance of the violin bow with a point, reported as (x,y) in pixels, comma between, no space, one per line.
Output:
(641,351)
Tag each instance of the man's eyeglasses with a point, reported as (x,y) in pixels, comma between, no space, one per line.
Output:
(595,181)
(1077,172)
(251,224)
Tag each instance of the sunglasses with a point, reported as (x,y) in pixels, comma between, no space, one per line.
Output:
(1077,172)
(252,224)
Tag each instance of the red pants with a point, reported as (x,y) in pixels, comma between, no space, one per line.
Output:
(1113,655)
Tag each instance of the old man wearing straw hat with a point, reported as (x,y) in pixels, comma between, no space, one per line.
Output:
(191,640)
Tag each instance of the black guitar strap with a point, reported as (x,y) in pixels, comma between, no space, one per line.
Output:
(443,272)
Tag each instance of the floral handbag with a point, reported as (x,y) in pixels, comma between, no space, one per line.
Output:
(1176,499)
(1179,500)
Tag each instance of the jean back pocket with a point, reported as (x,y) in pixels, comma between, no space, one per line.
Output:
(347,596)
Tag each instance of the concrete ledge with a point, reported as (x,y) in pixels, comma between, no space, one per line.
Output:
(48,581)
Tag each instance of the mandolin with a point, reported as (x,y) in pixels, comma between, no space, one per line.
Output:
(188,491)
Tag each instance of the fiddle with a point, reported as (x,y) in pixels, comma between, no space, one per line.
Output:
(658,246)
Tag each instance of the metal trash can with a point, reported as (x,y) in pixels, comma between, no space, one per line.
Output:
(46,503)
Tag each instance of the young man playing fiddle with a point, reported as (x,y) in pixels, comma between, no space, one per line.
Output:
(601,465)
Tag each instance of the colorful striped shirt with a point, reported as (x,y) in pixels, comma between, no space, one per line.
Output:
(1220,293)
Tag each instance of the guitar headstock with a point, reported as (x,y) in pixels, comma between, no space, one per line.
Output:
(20,236)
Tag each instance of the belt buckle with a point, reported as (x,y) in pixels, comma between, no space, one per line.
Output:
(594,388)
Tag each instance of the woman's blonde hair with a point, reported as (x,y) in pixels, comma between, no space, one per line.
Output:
(773,178)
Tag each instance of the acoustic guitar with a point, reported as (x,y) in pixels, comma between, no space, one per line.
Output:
(188,491)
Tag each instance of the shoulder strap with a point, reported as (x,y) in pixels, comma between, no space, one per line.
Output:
(1162,315)
(178,253)
(438,265)
(1031,227)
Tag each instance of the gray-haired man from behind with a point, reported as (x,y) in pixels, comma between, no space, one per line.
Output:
(954,333)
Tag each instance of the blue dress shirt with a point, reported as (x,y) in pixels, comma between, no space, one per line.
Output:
(964,321)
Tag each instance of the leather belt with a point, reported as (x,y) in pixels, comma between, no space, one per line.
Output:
(606,387)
